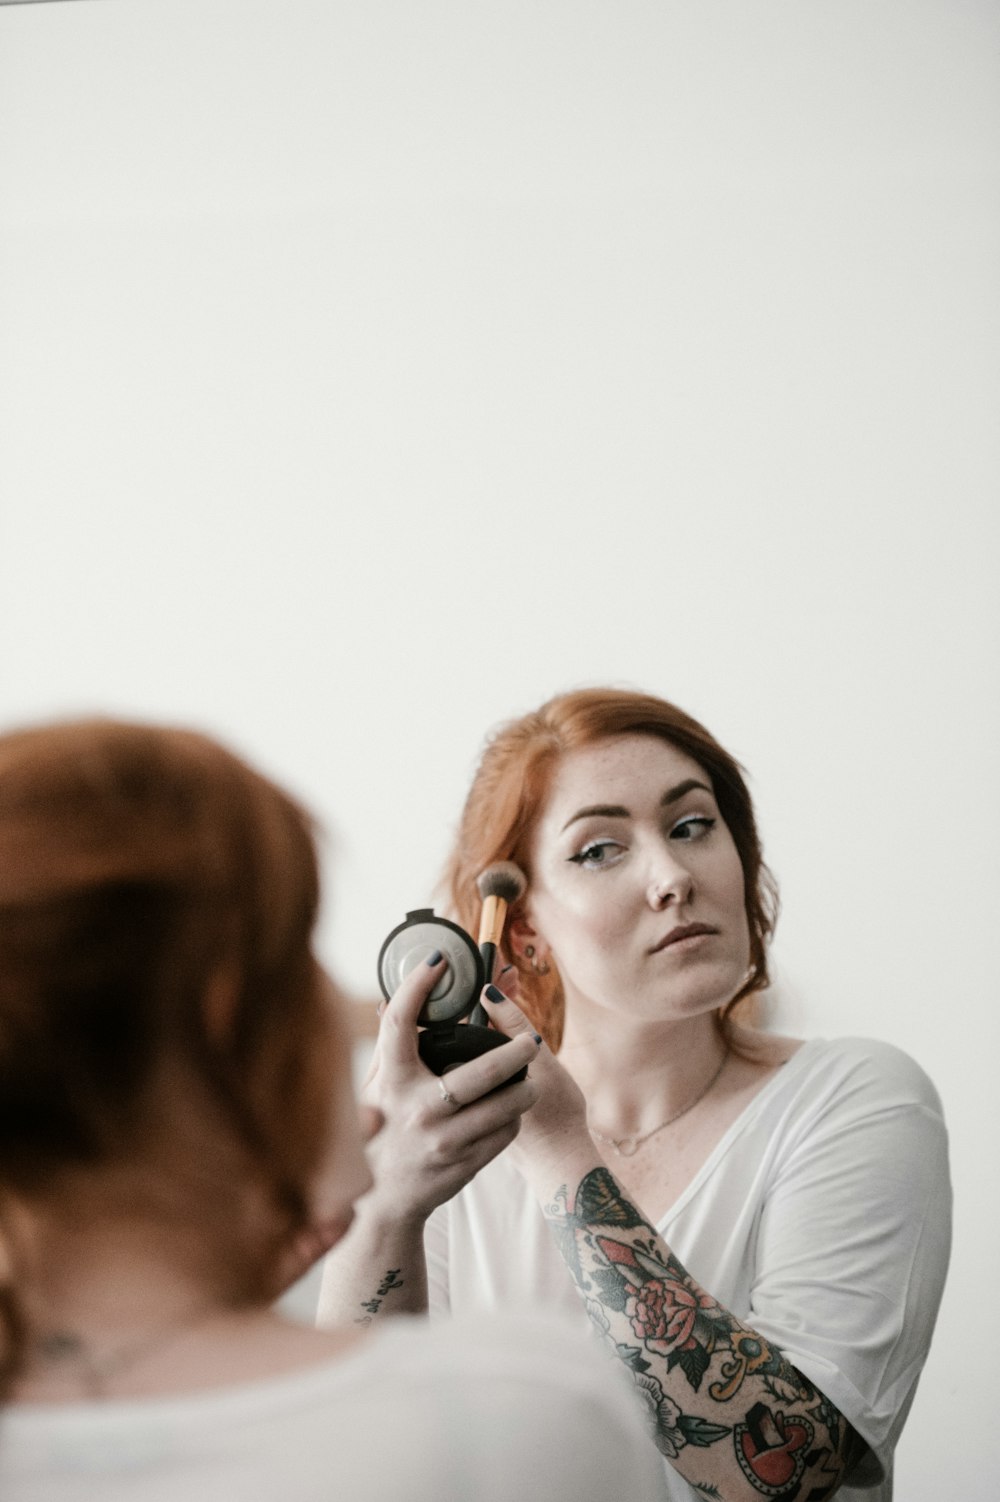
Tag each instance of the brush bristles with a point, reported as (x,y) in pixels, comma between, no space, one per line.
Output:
(503,880)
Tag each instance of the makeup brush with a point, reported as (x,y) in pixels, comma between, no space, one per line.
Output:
(499,886)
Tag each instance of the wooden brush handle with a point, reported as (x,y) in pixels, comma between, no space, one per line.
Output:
(491,921)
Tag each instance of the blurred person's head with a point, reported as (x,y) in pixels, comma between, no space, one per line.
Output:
(168,1042)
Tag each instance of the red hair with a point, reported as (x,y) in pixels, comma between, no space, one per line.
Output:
(157,984)
(509,791)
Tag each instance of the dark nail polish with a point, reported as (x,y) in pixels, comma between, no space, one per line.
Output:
(494,994)
(435,957)
(538,1039)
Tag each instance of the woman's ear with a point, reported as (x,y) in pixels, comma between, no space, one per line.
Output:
(522,937)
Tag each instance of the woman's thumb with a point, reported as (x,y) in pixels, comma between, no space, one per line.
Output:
(505,1013)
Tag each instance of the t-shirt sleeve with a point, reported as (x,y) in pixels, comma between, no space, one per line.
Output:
(854,1240)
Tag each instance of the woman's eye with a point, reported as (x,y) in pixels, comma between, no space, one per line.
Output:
(597,854)
(693,828)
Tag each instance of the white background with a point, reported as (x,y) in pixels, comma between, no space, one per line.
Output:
(371,370)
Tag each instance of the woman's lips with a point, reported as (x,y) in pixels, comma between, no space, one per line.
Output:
(683,932)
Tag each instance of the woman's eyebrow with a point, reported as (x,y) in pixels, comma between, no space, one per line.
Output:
(617,811)
(603,810)
(672,794)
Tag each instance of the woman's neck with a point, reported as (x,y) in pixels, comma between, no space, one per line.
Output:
(97,1293)
(113,1317)
(635,1074)
(100,1293)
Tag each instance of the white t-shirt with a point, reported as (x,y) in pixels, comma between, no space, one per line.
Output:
(505,1412)
(822,1219)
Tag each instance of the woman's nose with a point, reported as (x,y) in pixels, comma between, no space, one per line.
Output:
(670,883)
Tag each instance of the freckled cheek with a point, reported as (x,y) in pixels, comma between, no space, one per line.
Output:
(578,928)
(599,935)
(739,907)
(730,883)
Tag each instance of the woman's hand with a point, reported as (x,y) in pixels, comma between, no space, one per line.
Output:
(431,1146)
(558,1120)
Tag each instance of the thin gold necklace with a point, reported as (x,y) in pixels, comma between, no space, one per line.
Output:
(636,1139)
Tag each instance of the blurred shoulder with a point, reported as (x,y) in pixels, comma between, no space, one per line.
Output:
(543,1348)
(552,1413)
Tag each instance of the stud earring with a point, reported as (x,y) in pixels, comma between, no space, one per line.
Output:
(540,967)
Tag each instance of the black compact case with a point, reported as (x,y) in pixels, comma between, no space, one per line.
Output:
(445,1041)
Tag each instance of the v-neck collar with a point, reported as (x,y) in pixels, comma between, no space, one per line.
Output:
(780,1078)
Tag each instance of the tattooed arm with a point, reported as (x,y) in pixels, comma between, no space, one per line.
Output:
(377,1270)
(732,1415)
(427,1150)
(736,1419)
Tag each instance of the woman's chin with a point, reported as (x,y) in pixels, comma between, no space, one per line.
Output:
(706,993)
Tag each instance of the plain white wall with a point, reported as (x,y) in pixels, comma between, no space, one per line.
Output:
(371,370)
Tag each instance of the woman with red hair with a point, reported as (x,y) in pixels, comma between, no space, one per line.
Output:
(758,1226)
(177,1130)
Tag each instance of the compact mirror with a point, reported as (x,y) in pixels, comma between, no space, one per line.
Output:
(445,1040)
(408,946)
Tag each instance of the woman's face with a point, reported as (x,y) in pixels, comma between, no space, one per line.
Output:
(636,885)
